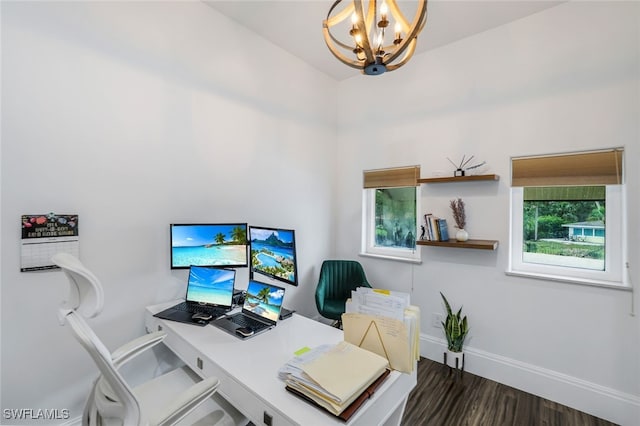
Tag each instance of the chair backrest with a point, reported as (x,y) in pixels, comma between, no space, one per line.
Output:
(339,277)
(85,300)
(85,291)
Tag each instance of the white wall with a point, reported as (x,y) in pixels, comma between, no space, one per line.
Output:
(562,80)
(135,115)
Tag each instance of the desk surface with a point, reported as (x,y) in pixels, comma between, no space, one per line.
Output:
(248,370)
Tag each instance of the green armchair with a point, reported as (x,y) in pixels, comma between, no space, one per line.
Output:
(337,279)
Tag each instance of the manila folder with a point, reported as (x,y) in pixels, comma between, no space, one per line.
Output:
(346,370)
(387,337)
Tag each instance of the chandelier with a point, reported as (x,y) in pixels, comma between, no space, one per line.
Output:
(369,45)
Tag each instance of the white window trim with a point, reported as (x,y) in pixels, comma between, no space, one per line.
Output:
(614,274)
(368,247)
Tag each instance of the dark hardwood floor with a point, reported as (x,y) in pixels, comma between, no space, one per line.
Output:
(443,397)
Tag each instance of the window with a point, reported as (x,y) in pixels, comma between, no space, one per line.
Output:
(389,213)
(567,218)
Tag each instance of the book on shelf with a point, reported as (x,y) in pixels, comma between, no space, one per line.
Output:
(434,226)
(444,230)
(436,229)
(428,227)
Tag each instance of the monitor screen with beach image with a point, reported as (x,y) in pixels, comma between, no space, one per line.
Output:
(273,253)
(212,244)
(213,286)
(264,300)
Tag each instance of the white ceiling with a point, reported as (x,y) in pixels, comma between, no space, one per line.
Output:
(296,25)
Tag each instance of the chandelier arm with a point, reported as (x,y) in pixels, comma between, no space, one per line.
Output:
(326,28)
(411,37)
(421,15)
(339,56)
(407,56)
(371,15)
(335,40)
(340,16)
(366,47)
(398,15)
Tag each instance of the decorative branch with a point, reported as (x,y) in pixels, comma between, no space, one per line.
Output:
(459,215)
(454,164)
(464,164)
(476,166)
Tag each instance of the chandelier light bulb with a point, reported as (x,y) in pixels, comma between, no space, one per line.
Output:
(384,9)
(380,43)
(354,27)
(398,33)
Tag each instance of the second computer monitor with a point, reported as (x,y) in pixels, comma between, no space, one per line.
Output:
(273,253)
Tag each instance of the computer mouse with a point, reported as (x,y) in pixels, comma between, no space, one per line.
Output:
(201,316)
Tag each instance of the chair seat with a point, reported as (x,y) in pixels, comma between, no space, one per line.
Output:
(338,278)
(156,394)
(333,308)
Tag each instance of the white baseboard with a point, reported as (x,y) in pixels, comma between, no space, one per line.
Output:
(600,401)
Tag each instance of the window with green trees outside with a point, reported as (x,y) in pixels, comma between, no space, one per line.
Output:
(565,226)
(395,217)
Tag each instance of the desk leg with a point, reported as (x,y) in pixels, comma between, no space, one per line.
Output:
(395,418)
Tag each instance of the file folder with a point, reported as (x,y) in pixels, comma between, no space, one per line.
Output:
(387,337)
(345,371)
(336,377)
(353,407)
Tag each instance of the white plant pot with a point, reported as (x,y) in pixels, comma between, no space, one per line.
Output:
(462,235)
(453,357)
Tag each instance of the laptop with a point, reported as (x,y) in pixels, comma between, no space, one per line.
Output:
(260,311)
(209,296)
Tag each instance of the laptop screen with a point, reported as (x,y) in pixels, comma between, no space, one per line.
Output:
(212,286)
(264,300)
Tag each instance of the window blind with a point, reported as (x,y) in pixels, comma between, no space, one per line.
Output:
(392,177)
(583,168)
(564,193)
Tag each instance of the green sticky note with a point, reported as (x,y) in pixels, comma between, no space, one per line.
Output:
(302,350)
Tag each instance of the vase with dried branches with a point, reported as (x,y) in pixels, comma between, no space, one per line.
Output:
(460,217)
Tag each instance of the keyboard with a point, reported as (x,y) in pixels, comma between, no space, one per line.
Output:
(245,321)
(193,308)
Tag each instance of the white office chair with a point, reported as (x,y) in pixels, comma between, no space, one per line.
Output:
(111,400)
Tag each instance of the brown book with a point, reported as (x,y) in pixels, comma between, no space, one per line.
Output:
(357,403)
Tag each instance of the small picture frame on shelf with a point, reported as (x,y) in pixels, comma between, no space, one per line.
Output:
(458,173)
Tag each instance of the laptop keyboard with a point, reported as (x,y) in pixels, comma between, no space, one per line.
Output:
(245,321)
(193,308)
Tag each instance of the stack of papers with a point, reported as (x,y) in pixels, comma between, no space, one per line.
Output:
(384,322)
(333,376)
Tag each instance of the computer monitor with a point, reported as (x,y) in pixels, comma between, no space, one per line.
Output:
(208,244)
(273,253)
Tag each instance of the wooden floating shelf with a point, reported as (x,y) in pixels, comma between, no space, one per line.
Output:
(459,179)
(470,244)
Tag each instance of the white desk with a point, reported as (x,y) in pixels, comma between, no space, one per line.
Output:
(248,371)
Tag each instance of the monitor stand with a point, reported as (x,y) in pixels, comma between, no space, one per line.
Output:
(286,313)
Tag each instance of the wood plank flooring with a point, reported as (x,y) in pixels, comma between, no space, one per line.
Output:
(445,398)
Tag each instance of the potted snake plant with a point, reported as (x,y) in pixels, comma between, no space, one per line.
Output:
(455,329)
